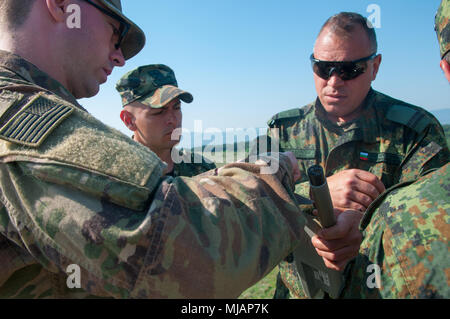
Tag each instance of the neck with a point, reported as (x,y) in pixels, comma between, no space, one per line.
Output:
(166,156)
(42,51)
(347,118)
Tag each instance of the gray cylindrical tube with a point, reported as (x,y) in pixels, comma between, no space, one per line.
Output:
(321,196)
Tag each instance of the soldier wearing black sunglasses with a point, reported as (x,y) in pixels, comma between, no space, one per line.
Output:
(365,140)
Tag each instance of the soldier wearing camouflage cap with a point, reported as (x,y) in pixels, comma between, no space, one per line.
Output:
(151,103)
(78,197)
(442,28)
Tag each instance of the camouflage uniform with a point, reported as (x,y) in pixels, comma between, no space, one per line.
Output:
(74,191)
(393,140)
(407,234)
(442,27)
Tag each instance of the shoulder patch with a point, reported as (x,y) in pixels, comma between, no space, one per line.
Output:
(285,115)
(31,124)
(408,116)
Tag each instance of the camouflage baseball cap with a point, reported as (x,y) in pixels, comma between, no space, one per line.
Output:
(154,85)
(134,40)
(442,26)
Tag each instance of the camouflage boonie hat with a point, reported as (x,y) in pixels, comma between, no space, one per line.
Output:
(442,26)
(134,40)
(154,85)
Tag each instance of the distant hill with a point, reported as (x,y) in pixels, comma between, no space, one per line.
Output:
(241,149)
(442,115)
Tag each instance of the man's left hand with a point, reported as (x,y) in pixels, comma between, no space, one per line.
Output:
(340,243)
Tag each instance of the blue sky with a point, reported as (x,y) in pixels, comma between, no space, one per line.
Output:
(245,60)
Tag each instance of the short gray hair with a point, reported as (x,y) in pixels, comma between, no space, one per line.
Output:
(344,23)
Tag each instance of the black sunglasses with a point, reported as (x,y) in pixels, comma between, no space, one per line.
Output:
(346,70)
(124,26)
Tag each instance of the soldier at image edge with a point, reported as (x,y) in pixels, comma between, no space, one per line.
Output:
(406,230)
(74,191)
(404,253)
(442,28)
(152,110)
(366,141)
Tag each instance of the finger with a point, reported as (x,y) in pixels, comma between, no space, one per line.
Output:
(338,231)
(367,189)
(372,179)
(344,253)
(346,229)
(359,201)
(349,203)
(328,245)
(351,240)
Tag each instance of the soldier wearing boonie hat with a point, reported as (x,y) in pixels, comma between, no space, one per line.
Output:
(442,28)
(152,110)
(133,37)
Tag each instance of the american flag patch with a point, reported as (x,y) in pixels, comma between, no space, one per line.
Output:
(35,121)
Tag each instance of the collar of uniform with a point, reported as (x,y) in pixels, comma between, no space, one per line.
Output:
(362,127)
(31,73)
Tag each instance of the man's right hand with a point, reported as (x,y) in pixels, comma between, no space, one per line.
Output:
(354,189)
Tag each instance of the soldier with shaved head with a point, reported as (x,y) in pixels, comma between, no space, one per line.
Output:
(365,140)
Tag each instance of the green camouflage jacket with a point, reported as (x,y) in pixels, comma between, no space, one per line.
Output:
(193,165)
(406,243)
(85,211)
(393,140)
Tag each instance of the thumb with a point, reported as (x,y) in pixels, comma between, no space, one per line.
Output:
(344,223)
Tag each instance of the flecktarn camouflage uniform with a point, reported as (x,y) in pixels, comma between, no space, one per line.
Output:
(407,237)
(76,192)
(393,140)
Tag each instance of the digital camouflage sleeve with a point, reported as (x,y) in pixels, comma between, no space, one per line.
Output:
(405,251)
(76,193)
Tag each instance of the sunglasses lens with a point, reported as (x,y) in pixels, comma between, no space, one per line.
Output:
(351,71)
(345,70)
(123,30)
(322,69)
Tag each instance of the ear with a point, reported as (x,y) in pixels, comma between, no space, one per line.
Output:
(445,66)
(376,66)
(58,9)
(128,119)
